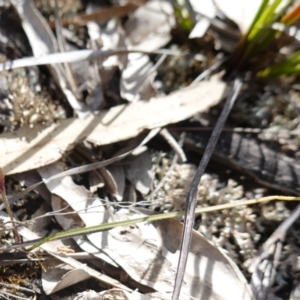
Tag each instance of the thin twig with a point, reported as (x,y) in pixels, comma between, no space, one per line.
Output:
(209,70)
(263,277)
(78,55)
(174,144)
(17,287)
(191,198)
(7,206)
(62,47)
(170,170)
(12,295)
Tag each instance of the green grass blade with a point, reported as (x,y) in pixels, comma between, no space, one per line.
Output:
(257,16)
(107,226)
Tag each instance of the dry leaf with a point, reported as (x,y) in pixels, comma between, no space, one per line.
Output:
(56,277)
(149,254)
(149,28)
(137,78)
(150,25)
(241,12)
(90,209)
(139,172)
(29,235)
(95,182)
(207,11)
(43,42)
(112,37)
(118,174)
(102,14)
(87,211)
(28,149)
(114,294)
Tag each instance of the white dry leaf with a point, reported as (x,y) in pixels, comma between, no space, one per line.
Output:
(56,277)
(200,28)
(89,211)
(150,25)
(42,42)
(242,12)
(111,36)
(149,254)
(137,78)
(27,149)
(118,174)
(207,8)
(114,294)
(88,247)
(39,34)
(207,11)
(88,295)
(149,28)
(138,171)
(64,214)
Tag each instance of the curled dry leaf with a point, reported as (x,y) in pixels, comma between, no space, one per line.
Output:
(90,209)
(87,210)
(139,172)
(137,78)
(148,27)
(56,277)
(107,35)
(118,174)
(111,36)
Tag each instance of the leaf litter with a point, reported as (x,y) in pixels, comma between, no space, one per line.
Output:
(82,99)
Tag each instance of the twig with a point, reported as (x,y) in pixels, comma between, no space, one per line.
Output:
(12,295)
(263,276)
(191,198)
(78,55)
(168,173)
(17,287)
(7,206)
(209,70)
(62,48)
(174,144)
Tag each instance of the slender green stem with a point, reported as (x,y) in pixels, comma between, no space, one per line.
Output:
(107,226)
